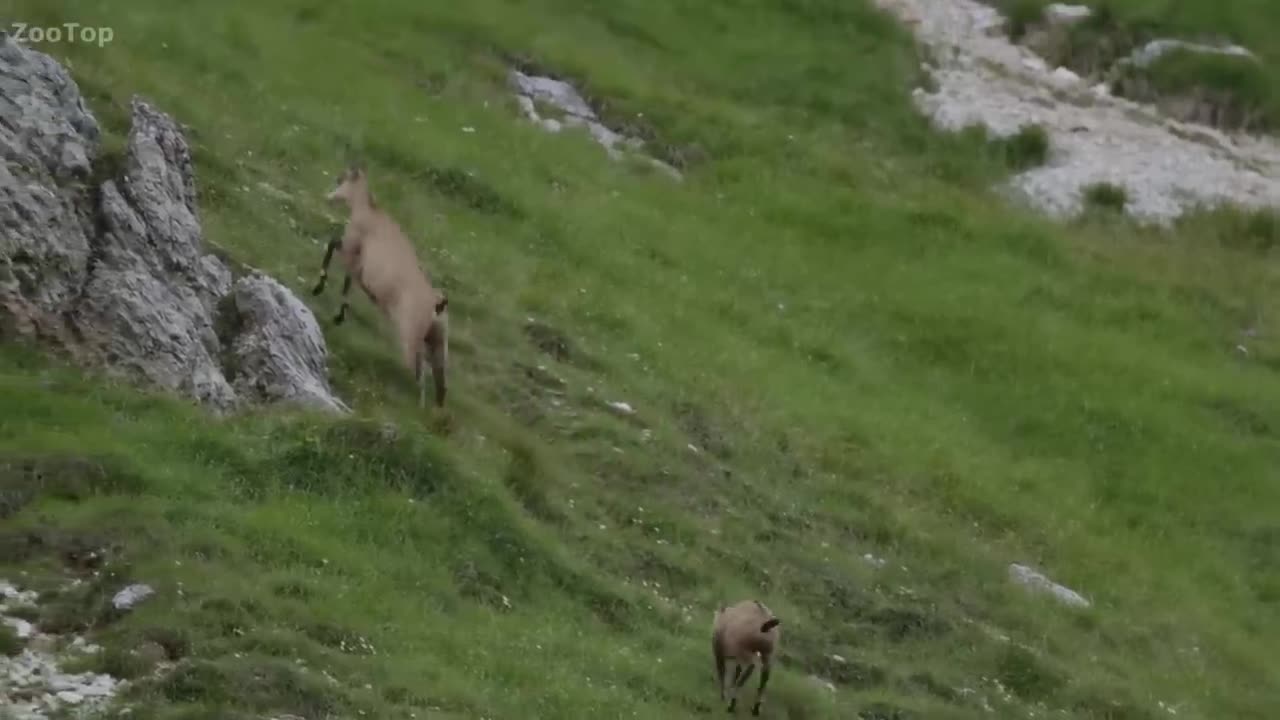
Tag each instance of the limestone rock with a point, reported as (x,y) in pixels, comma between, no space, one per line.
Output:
(130,596)
(33,683)
(1156,49)
(1168,166)
(1033,580)
(117,275)
(146,311)
(48,140)
(277,351)
(1065,15)
(565,98)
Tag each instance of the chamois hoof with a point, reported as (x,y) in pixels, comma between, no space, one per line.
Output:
(755,710)
(319,288)
(337,319)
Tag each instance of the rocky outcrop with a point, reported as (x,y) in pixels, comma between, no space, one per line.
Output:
(275,349)
(1106,54)
(147,308)
(116,273)
(1166,167)
(48,139)
(1036,582)
(534,90)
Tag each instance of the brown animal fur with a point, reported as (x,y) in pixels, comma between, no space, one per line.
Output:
(375,252)
(744,632)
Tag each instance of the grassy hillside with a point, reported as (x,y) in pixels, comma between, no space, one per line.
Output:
(837,343)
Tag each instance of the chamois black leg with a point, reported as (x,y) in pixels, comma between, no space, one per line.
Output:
(437,343)
(719,656)
(342,311)
(739,679)
(764,680)
(324,266)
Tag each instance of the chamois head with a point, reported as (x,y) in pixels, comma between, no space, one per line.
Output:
(352,187)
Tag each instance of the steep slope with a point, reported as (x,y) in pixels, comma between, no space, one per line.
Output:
(856,384)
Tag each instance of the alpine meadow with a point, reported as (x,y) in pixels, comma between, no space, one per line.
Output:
(797,348)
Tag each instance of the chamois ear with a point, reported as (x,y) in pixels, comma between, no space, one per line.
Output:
(770,624)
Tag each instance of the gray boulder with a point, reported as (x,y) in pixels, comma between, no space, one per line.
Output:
(48,140)
(44,116)
(117,274)
(277,350)
(146,311)
(1035,581)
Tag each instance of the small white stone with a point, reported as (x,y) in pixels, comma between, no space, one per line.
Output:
(1033,580)
(1064,14)
(63,682)
(14,597)
(622,407)
(1064,77)
(131,596)
(1034,63)
(70,697)
(21,628)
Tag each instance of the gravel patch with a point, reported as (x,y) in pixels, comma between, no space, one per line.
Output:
(33,684)
(1166,167)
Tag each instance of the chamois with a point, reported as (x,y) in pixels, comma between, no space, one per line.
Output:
(376,253)
(744,632)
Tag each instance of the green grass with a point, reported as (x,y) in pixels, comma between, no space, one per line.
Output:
(867,351)
(1027,148)
(10,643)
(1240,89)
(1106,196)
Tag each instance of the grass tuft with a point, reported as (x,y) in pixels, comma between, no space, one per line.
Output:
(1026,149)
(10,644)
(1105,196)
